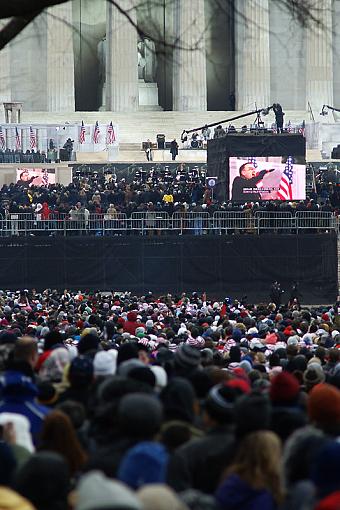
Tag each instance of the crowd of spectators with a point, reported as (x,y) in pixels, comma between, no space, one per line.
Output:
(29,156)
(151,190)
(112,401)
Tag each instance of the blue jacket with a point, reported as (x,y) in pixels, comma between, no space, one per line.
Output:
(235,494)
(17,395)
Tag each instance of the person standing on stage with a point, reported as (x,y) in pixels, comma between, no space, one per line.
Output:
(278,117)
(174,149)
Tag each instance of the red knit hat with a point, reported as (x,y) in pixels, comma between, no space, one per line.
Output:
(239,384)
(287,331)
(324,404)
(331,502)
(284,388)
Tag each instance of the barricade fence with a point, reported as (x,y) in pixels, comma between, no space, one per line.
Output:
(159,223)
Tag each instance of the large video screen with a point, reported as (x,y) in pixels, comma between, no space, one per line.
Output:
(253,179)
(35,176)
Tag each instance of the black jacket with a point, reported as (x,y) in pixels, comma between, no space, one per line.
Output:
(244,190)
(200,463)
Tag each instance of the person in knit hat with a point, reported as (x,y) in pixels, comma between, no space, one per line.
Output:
(80,378)
(287,413)
(104,363)
(323,407)
(160,497)
(186,360)
(199,463)
(143,464)
(96,492)
(131,324)
(313,375)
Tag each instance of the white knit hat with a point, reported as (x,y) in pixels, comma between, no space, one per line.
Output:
(96,492)
(104,363)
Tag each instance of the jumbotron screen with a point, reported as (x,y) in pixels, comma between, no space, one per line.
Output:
(35,176)
(253,179)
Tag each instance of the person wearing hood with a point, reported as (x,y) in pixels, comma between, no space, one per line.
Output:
(253,481)
(131,324)
(17,386)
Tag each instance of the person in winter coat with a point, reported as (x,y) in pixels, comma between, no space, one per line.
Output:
(18,390)
(253,481)
(131,324)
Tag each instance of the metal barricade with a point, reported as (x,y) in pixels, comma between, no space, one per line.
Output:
(197,223)
(150,222)
(225,222)
(115,224)
(37,223)
(315,220)
(274,221)
(154,222)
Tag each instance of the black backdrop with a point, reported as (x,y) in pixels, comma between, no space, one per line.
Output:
(232,265)
(221,149)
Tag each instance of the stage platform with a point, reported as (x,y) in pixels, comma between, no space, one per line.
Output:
(235,265)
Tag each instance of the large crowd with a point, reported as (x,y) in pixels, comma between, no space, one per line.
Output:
(113,401)
(150,190)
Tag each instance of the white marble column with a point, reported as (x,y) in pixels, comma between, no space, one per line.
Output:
(319,65)
(60,59)
(252,55)
(189,58)
(5,75)
(121,59)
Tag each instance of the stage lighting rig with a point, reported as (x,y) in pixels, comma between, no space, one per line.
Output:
(256,112)
(326,107)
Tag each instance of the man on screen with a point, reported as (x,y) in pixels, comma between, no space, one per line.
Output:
(245,186)
(25,179)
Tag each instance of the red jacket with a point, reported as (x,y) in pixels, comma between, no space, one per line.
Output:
(131,324)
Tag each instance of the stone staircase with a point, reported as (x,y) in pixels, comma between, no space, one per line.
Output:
(136,127)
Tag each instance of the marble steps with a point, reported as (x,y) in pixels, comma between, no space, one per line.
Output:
(136,127)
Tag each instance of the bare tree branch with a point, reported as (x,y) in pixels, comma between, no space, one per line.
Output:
(14,27)
(23,8)
(157,40)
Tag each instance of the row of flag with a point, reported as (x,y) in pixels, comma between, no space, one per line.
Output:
(18,144)
(110,134)
(291,129)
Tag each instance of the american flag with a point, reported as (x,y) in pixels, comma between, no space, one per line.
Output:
(253,161)
(96,133)
(302,129)
(110,136)
(33,139)
(82,133)
(17,140)
(45,177)
(289,127)
(286,182)
(2,140)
